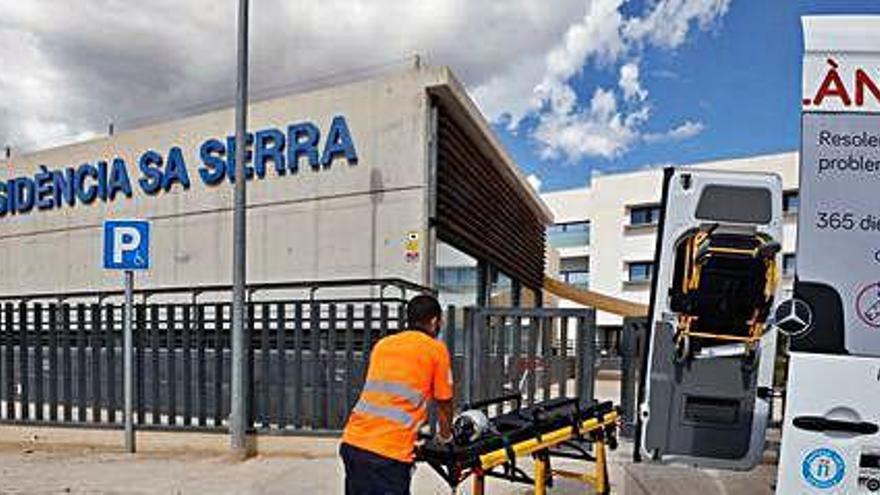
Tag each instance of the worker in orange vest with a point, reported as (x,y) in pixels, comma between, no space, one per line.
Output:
(407,370)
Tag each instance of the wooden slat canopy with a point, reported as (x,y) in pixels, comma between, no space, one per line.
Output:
(480,210)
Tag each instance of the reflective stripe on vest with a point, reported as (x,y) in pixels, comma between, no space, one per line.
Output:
(412,396)
(391,413)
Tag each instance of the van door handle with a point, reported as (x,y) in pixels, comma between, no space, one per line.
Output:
(822,424)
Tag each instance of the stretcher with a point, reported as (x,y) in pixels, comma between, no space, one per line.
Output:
(723,289)
(558,428)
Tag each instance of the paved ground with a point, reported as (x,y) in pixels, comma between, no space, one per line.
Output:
(38,468)
(85,471)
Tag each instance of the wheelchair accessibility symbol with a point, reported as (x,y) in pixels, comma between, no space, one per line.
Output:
(868,305)
(823,468)
(126,245)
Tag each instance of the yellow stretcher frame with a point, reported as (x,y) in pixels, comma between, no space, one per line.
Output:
(539,449)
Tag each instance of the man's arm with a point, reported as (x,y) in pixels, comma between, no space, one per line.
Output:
(443,393)
(444,420)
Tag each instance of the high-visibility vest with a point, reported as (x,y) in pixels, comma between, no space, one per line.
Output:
(406,371)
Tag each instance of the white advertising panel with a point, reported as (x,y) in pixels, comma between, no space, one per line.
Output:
(841,64)
(841,83)
(838,250)
(830,440)
(839,223)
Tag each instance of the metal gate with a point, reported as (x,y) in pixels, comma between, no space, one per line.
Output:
(541,352)
(633,342)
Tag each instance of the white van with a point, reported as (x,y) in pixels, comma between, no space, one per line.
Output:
(708,374)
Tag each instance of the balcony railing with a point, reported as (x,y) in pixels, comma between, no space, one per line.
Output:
(569,239)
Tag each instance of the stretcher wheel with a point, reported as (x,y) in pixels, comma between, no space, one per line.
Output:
(682,347)
(611,440)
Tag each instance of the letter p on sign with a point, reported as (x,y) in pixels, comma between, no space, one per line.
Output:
(126,245)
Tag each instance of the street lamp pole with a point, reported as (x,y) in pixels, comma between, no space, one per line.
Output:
(238,410)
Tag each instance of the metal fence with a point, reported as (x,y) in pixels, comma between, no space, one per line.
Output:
(633,346)
(61,355)
(61,362)
(541,352)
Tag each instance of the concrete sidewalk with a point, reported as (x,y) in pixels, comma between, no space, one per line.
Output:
(36,460)
(26,470)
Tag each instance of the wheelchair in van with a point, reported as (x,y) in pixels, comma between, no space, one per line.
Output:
(722,291)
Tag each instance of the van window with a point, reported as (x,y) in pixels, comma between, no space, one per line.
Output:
(735,204)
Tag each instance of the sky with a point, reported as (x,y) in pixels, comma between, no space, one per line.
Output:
(574,88)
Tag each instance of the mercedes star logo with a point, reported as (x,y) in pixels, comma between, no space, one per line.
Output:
(793,317)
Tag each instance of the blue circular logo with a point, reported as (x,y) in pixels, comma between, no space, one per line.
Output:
(823,468)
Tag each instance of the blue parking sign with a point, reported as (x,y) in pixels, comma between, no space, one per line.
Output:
(126,245)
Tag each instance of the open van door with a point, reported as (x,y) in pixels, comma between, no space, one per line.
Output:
(707,377)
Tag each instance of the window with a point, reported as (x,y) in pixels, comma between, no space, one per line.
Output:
(640,271)
(528,299)
(791,201)
(788,262)
(500,291)
(577,278)
(644,215)
(569,234)
(455,276)
(574,263)
(575,270)
(740,204)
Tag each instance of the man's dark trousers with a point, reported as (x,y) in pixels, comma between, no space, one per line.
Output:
(367,473)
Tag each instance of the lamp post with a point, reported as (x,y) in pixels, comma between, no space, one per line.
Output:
(238,416)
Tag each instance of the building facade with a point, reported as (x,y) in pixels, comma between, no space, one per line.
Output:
(376,178)
(605,234)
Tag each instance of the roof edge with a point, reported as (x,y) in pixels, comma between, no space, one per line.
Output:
(457,91)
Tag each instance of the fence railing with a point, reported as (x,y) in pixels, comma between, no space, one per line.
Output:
(633,346)
(541,352)
(358,290)
(61,363)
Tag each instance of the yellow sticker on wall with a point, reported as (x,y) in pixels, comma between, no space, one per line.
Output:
(412,247)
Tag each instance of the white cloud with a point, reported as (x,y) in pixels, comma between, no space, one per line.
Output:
(535,182)
(668,24)
(629,82)
(71,67)
(596,35)
(687,130)
(68,67)
(603,127)
(510,94)
(601,130)
(683,131)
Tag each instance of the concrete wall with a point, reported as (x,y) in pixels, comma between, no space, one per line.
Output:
(348,221)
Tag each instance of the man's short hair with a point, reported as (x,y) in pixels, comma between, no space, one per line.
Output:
(421,309)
